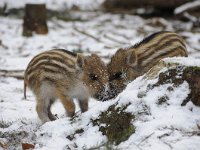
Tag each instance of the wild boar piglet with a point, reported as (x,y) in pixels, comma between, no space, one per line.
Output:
(129,63)
(61,74)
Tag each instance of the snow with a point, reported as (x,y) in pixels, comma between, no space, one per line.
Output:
(167,126)
(183,61)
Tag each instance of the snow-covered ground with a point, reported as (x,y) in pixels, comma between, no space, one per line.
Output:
(168,127)
(157,126)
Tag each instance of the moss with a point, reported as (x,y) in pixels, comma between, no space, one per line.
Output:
(116,124)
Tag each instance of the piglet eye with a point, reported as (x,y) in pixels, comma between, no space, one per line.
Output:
(116,76)
(93,77)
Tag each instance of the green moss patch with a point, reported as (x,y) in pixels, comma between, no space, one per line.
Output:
(116,124)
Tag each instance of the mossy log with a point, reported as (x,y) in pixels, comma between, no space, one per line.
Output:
(177,74)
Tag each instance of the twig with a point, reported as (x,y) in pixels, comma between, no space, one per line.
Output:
(147,137)
(168,144)
(193,133)
(164,135)
(190,17)
(111,47)
(115,40)
(57,24)
(87,34)
(121,35)
(19,74)
(3,45)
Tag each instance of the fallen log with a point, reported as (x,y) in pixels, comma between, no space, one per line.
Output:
(129,4)
(19,74)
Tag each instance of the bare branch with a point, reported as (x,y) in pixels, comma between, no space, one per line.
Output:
(115,40)
(147,137)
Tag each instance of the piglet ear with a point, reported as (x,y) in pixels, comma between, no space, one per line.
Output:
(80,61)
(131,58)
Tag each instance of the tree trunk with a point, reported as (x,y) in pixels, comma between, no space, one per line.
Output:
(35,19)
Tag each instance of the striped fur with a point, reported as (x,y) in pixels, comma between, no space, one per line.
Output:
(131,62)
(64,75)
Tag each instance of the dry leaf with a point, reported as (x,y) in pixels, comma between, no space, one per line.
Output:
(26,146)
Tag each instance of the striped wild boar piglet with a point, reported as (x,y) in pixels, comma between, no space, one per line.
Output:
(129,63)
(60,74)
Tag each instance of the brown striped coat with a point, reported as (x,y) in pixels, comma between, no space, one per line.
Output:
(129,63)
(60,74)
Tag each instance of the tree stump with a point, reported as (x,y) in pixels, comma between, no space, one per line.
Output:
(35,20)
